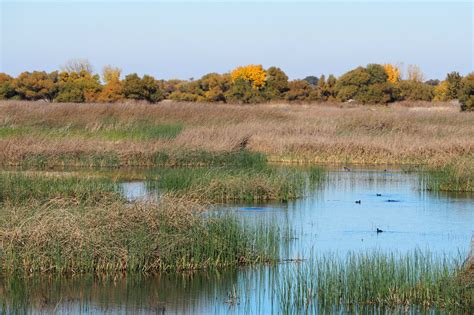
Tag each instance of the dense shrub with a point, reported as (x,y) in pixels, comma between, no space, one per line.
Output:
(299,90)
(378,93)
(277,83)
(146,88)
(366,85)
(6,89)
(214,86)
(184,97)
(78,87)
(36,85)
(243,91)
(415,91)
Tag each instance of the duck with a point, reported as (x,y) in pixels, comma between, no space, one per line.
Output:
(379,195)
(347,169)
(379,230)
(358,201)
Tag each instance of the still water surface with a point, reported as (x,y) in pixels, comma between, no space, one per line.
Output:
(328,220)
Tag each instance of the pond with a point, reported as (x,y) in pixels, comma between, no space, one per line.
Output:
(341,214)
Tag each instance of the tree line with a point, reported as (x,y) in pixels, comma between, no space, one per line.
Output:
(372,84)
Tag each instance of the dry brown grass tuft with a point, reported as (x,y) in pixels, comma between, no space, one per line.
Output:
(117,237)
(336,133)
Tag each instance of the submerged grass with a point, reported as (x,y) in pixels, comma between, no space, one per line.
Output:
(170,235)
(458,176)
(255,184)
(374,279)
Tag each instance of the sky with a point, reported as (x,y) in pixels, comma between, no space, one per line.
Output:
(177,39)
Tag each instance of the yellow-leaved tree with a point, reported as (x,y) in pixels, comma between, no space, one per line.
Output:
(441,91)
(113,89)
(393,73)
(251,73)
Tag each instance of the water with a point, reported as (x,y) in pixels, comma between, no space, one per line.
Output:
(327,221)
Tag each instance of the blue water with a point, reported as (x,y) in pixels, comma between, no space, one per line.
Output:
(329,219)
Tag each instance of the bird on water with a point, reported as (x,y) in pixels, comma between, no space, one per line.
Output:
(379,230)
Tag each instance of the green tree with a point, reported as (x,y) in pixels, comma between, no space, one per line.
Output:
(351,83)
(377,73)
(366,85)
(312,80)
(454,80)
(146,88)
(36,85)
(277,83)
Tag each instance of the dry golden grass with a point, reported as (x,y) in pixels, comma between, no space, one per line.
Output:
(325,133)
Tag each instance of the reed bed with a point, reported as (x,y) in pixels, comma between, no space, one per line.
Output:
(457,176)
(226,184)
(361,281)
(336,133)
(171,235)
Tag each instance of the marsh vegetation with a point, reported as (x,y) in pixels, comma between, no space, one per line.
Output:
(62,216)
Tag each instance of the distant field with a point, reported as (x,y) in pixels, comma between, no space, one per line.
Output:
(51,134)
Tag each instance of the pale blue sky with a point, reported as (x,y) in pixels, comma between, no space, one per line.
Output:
(188,39)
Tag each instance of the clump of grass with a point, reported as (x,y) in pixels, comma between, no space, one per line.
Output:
(237,184)
(374,279)
(141,132)
(458,175)
(240,159)
(18,188)
(170,235)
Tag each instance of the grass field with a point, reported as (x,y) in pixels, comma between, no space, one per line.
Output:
(37,133)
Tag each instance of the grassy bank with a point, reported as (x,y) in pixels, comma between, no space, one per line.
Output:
(21,188)
(116,237)
(231,184)
(457,175)
(138,134)
(416,280)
